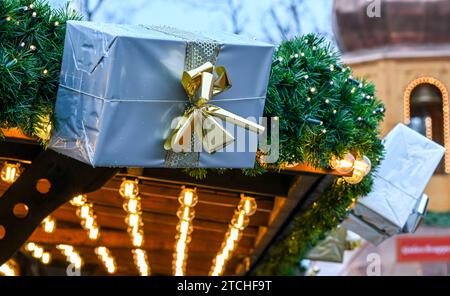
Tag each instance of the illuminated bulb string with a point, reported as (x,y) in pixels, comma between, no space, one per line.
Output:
(72,256)
(429,127)
(246,208)
(38,252)
(129,190)
(8,269)
(188,199)
(10,172)
(108,260)
(49,224)
(141,261)
(445,110)
(85,211)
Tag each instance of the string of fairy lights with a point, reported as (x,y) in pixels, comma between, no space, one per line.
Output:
(104,254)
(247,207)
(188,199)
(85,211)
(129,190)
(72,255)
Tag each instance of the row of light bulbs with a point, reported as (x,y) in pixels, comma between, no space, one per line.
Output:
(38,252)
(188,199)
(141,261)
(246,208)
(108,260)
(8,268)
(129,190)
(72,256)
(360,166)
(86,214)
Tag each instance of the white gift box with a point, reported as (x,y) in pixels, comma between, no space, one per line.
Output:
(396,203)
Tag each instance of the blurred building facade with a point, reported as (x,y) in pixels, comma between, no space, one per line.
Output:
(404,47)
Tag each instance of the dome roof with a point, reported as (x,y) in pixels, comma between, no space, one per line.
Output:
(402,23)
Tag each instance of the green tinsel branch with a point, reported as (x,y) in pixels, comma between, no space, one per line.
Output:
(32,41)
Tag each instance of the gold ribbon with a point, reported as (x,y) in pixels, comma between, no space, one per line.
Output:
(201,84)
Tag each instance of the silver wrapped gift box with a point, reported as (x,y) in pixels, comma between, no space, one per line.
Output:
(396,203)
(121,88)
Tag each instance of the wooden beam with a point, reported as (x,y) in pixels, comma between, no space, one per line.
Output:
(203,211)
(111,219)
(153,189)
(118,240)
(269,184)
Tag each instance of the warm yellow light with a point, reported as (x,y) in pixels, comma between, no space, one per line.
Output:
(234,233)
(94,233)
(85,211)
(49,224)
(129,188)
(141,262)
(8,269)
(240,220)
(38,252)
(30,247)
(108,261)
(138,239)
(248,205)
(133,205)
(78,200)
(133,220)
(188,197)
(184,227)
(46,258)
(10,172)
(344,165)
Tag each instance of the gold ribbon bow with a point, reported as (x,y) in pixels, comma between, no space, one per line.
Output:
(201,85)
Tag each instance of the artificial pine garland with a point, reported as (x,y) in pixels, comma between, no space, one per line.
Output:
(31,46)
(322,110)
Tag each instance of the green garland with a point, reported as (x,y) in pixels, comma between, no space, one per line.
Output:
(322,110)
(32,41)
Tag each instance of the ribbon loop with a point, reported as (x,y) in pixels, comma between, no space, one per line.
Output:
(201,85)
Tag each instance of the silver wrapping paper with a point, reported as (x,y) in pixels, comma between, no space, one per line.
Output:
(121,89)
(396,202)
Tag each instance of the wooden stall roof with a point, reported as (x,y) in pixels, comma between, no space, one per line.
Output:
(277,194)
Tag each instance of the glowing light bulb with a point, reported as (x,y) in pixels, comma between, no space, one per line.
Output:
(133,205)
(240,220)
(46,258)
(247,205)
(49,225)
(344,165)
(138,239)
(78,200)
(85,211)
(10,172)
(188,197)
(362,164)
(30,247)
(129,188)
(38,252)
(94,233)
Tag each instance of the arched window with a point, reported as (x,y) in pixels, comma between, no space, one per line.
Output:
(426,111)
